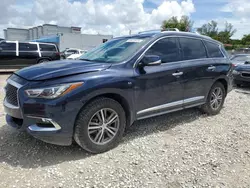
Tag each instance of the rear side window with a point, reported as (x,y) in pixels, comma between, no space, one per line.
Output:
(47,47)
(167,49)
(8,46)
(192,49)
(213,49)
(27,47)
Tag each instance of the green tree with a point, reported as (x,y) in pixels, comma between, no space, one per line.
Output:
(210,29)
(183,24)
(225,35)
(246,40)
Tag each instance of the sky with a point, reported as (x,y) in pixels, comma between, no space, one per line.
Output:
(118,17)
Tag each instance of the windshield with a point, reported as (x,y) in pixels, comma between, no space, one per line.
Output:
(241,59)
(116,50)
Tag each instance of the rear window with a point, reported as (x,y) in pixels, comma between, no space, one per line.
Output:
(213,49)
(47,47)
(27,47)
(192,49)
(8,46)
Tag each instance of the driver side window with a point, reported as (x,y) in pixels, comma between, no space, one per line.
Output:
(167,49)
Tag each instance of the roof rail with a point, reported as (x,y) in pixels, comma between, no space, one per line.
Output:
(159,30)
(150,31)
(170,29)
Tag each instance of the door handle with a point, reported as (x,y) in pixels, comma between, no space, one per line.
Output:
(177,74)
(211,68)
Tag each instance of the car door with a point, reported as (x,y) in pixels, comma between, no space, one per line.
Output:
(159,88)
(28,54)
(198,71)
(8,55)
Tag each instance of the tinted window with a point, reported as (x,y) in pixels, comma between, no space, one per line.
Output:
(167,49)
(8,46)
(46,47)
(27,47)
(192,48)
(213,49)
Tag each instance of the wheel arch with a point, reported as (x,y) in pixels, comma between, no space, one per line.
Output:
(130,117)
(42,58)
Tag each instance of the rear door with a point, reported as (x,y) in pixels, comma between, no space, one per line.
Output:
(160,88)
(197,71)
(28,54)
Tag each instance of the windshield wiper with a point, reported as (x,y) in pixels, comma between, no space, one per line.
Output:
(85,59)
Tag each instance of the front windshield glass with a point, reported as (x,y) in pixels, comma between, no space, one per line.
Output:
(116,50)
(241,59)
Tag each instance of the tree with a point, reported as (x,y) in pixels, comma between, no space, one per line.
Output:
(210,29)
(225,35)
(246,40)
(183,24)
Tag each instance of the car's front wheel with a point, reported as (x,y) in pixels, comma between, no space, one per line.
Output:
(215,99)
(100,125)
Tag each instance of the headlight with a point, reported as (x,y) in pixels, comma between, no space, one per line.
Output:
(52,92)
(235,72)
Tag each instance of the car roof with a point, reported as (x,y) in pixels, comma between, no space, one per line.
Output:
(170,33)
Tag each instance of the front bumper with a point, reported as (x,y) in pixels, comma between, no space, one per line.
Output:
(46,120)
(242,77)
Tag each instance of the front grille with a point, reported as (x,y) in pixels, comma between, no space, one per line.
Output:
(245,74)
(11,94)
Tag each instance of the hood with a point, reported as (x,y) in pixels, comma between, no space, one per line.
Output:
(243,67)
(54,69)
(74,56)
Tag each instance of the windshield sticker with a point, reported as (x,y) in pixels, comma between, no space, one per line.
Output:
(134,40)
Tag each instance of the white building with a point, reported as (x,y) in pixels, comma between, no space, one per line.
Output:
(64,37)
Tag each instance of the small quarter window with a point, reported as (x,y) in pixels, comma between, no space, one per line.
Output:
(213,49)
(47,47)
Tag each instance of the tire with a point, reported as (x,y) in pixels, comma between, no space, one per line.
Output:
(209,106)
(43,61)
(86,138)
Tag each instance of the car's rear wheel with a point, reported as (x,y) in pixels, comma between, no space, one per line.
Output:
(43,60)
(100,125)
(215,99)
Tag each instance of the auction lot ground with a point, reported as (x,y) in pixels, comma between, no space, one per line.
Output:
(182,149)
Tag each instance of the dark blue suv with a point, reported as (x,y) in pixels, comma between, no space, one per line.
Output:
(92,100)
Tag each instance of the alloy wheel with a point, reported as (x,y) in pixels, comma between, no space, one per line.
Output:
(216,98)
(103,126)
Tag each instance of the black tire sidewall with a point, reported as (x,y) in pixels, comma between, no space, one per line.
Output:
(81,128)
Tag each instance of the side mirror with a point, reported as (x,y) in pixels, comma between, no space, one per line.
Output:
(151,60)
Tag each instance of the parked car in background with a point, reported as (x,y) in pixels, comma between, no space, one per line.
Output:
(76,56)
(241,70)
(240,59)
(15,55)
(93,99)
(67,52)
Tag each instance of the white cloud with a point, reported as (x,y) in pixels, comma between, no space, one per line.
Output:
(115,17)
(240,10)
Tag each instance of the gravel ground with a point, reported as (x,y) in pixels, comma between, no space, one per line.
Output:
(182,149)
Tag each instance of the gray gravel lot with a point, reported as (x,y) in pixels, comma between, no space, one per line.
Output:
(182,149)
